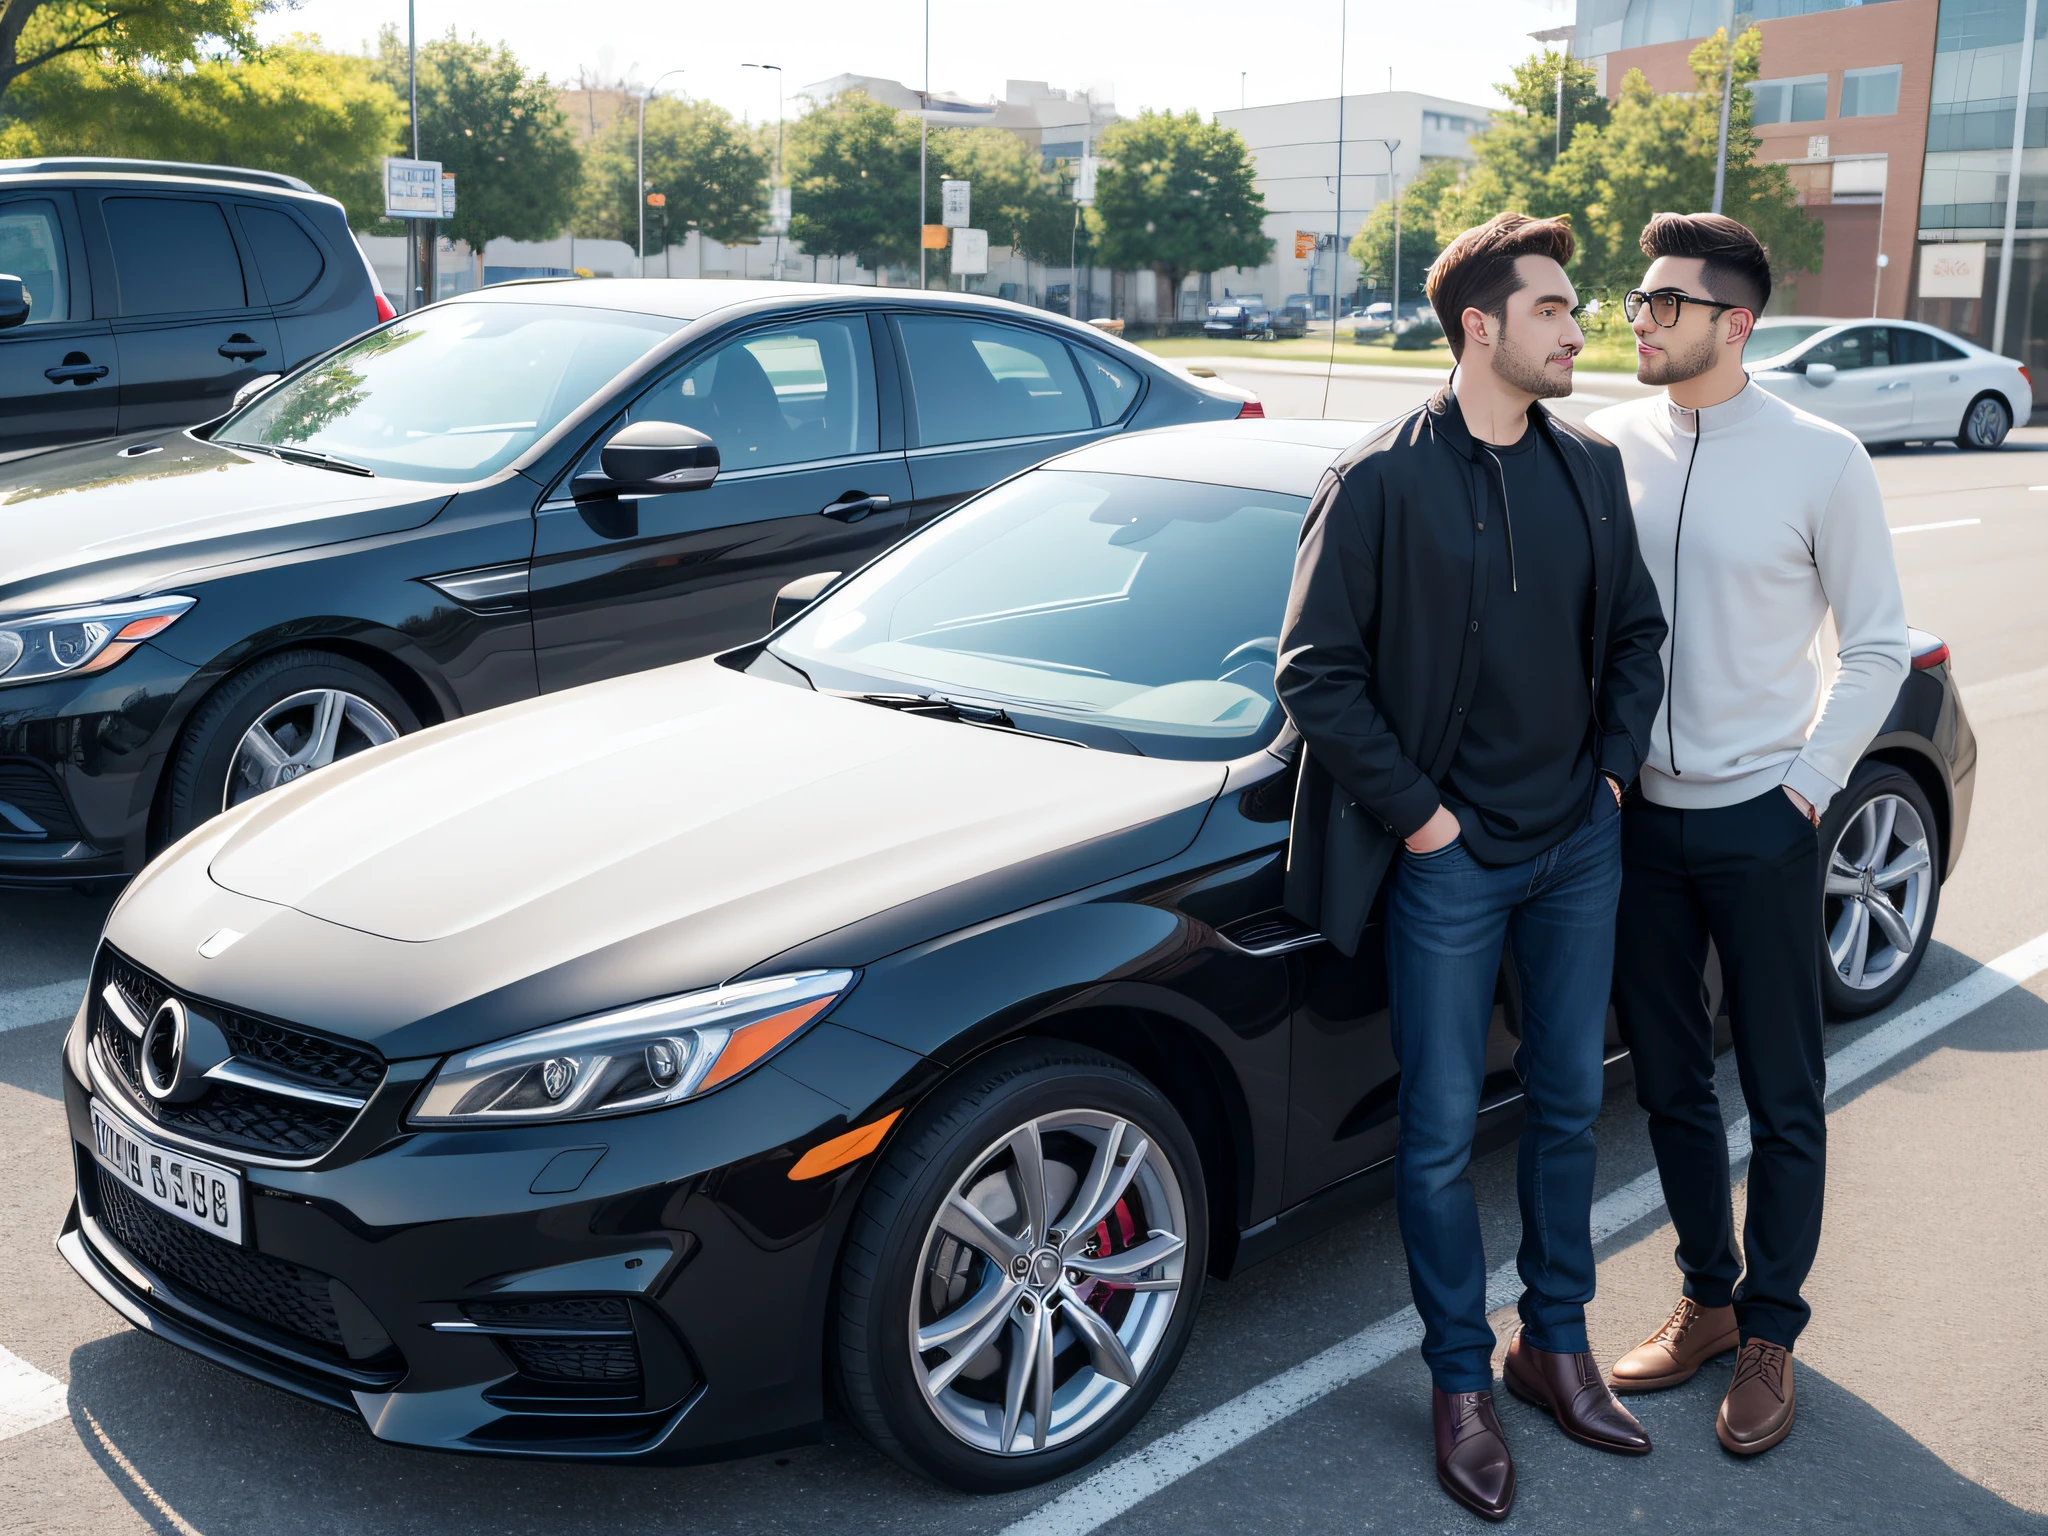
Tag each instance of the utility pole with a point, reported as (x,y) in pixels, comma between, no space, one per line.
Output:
(1727,95)
(924,129)
(415,259)
(1557,150)
(778,156)
(2012,179)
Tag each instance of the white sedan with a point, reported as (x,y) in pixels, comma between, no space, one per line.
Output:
(1891,381)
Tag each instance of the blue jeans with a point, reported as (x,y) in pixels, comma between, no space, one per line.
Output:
(1447,915)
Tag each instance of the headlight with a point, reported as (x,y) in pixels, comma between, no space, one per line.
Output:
(81,639)
(637,1058)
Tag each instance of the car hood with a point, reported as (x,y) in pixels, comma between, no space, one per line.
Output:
(100,521)
(653,834)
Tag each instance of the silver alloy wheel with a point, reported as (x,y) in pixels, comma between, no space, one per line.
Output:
(1878,891)
(1987,424)
(1047,1282)
(298,734)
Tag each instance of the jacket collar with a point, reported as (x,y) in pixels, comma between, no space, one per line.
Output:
(1447,419)
(1732,412)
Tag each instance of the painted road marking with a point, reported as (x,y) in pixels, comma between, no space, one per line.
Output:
(39,1005)
(28,1398)
(1130,1480)
(1959,522)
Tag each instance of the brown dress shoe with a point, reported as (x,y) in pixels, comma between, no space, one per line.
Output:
(1472,1460)
(1690,1337)
(1569,1388)
(1757,1412)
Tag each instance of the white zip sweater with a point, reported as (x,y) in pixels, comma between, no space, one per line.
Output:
(1755,520)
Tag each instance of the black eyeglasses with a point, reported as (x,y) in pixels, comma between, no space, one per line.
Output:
(1666,304)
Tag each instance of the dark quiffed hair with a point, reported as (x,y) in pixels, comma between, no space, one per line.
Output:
(1477,270)
(1736,268)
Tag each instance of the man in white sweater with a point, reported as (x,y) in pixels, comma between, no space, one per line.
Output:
(1756,520)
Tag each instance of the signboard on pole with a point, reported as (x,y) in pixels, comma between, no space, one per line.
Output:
(970,252)
(778,210)
(1953,269)
(933,238)
(953,203)
(1304,245)
(1084,179)
(447,194)
(412,188)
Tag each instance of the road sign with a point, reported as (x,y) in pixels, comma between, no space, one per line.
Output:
(935,237)
(447,194)
(412,188)
(1084,179)
(970,252)
(778,210)
(953,202)
(1304,245)
(657,199)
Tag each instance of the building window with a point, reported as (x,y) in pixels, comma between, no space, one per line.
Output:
(1802,99)
(1870,92)
(1448,122)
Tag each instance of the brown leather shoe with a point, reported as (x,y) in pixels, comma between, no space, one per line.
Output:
(1472,1460)
(1569,1388)
(1690,1337)
(1757,1412)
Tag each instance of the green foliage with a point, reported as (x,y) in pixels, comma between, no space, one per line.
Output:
(497,130)
(293,107)
(712,170)
(852,168)
(1373,246)
(1015,199)
(1175,195)
(1517,155)
(162,34)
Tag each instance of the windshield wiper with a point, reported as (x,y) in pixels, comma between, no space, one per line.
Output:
(303,456)
(979,712)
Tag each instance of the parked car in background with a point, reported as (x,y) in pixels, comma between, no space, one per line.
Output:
(522,489)
(1891,381)
(1238,319)
(1375,320)
(1290,320)
(155,291)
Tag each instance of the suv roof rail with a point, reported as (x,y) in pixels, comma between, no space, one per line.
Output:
(76,164)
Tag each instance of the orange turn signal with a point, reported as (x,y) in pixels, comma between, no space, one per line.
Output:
(750,1042)
(856,1144)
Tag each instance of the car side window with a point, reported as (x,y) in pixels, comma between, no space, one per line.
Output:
(174,256)
(1911,346)
(1114,384)
(1863,346)
(792,394)
(32,249)
(976,381)
(286,259)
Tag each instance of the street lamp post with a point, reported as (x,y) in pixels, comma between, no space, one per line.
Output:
(778,151)
(640,167)
(1727,98)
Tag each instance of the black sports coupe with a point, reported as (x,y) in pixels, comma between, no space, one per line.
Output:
(902,1002)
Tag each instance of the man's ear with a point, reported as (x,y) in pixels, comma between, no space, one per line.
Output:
(1477,323)
(1740,323)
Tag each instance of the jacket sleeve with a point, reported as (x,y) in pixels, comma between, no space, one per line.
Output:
(1632,681)
(1325,672)
(1852,554)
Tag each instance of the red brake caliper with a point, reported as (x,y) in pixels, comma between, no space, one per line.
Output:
(1102,1292)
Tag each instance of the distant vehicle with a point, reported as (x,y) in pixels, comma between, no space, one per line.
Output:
(150,293)
(1891,381)
(1375,319)
(1238,319)
(1290,320)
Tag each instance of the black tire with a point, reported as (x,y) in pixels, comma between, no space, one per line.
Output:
(1985,424)
(1916,902)
(198,778)
(885,1258)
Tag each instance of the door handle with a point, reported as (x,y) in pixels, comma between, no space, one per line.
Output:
(853,506)
(1955,378)
(242,349)
(76,368)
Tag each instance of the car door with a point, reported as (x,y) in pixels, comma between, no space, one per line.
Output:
(1942,387)
(59,371)
(811,478)
(987,399)
(1867,393)
(192,328)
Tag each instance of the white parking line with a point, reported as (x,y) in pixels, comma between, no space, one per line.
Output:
(28,1398)
(1130,1480)
(1959,522)
(39,1005)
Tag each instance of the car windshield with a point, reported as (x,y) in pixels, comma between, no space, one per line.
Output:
(1119,610)
(1775,336)
(451,394)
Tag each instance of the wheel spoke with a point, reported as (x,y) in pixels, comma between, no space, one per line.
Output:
(996,1293)
(1106,1351)
(318,751)
(1112,1191)
(961,1219)
(1843,885)
(1101,1169)
(1855,947)
(1041,1381)
(270,757)
(1911,861)
(1132,1261)
(1866,828)
(1023,1361)
(941,1376)
(1890,922)
(1885,814)
(1028,1153)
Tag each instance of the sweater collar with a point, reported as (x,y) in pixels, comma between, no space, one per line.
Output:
(1731,412)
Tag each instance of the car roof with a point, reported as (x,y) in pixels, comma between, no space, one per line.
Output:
(1285,457)
(107,165)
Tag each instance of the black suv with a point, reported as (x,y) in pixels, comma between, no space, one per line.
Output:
(151,292)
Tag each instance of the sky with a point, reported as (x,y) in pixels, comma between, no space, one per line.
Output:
(1147,53)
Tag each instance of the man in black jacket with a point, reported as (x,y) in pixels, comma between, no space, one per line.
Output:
(1470,654)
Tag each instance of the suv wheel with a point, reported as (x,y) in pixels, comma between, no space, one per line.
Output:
(1985,423)
(276,721)
(1880,885)
(1023,1269)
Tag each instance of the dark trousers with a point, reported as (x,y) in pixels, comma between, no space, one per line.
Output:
(1747,876)
(1447,916)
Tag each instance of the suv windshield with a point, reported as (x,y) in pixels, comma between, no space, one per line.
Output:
(451,394)
(1773,337)
(1083,604)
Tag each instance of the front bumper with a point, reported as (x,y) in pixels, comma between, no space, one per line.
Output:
(659,1309)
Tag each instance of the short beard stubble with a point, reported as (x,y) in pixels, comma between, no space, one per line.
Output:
(1526,371)
(1669,367)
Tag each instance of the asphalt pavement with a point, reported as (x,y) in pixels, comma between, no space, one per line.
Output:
(1300,1405)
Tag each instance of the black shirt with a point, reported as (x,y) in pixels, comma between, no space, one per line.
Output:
(1521,780)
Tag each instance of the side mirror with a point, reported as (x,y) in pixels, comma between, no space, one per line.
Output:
(14,303)
(650,458)
(253,388)
(798,595)
(1821,375)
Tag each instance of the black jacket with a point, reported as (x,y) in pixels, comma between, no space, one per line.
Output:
(1379,653)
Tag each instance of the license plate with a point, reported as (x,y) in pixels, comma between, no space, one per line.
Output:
(203,1194)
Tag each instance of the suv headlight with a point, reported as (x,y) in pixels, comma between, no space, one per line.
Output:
(636,1058)
(72,640)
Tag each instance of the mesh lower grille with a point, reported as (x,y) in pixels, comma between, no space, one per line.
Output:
(286,1296)
(574,1359)
(28,787)
(562,1311)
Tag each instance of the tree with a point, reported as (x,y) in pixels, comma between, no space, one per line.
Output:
(497,130)
(1518,151)
(852,168)
(162,33)
(1421,201)
(1175,195)
(293,107)
(711,171)
(1019,202)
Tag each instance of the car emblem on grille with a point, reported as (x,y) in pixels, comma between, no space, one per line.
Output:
(163,1050)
